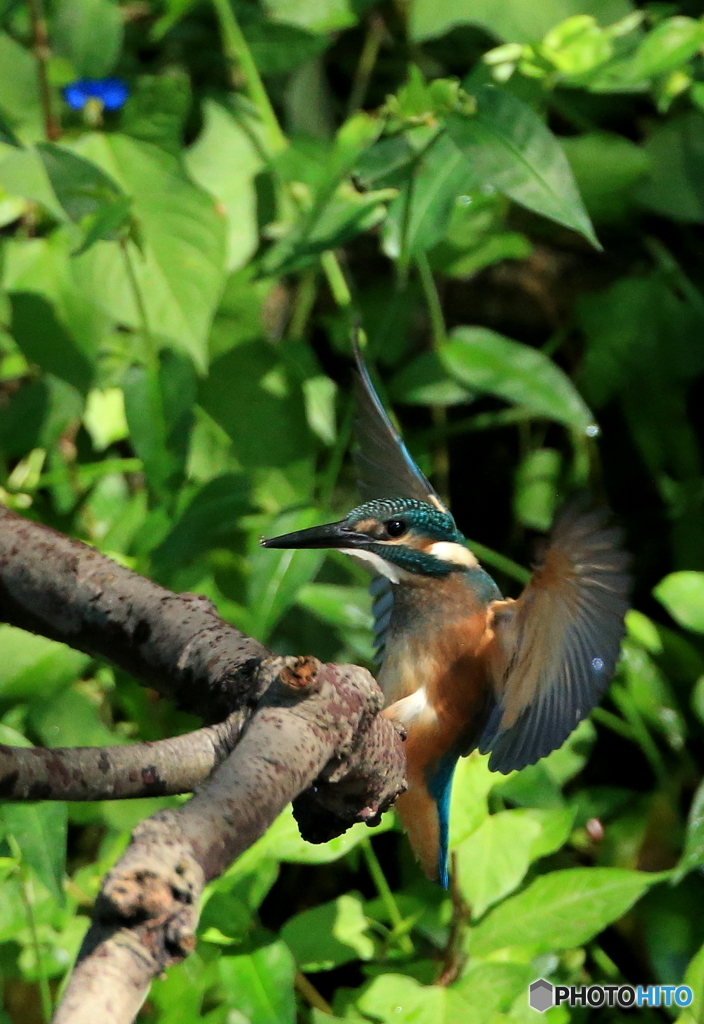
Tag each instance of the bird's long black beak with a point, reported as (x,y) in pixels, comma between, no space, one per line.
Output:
(332,535)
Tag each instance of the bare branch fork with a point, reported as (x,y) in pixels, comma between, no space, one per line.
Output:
(279,729)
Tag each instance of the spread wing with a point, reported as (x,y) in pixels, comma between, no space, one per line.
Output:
(384,466)
(555,648)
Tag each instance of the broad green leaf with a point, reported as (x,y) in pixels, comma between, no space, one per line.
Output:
(399,999)
(312,15)
(510,150)
(225,162)
(607,168)
(260,984)
(22,173)
(89,34)
(682,594)
(267,422)
(536,488)
(561,909)
(32,666)
(471,785)
(276,576)
(144,410)
(668,46)
(157,108)
(69,720)
(40,832)
(420,214)
(19,90)
(490,988)
(209,520)
(329,935)
(512,20)
(493,861)
(675,186)
(46,343)
(481,359)
(283,842)
(425,381)
(109,221)
(346,607)
(693,853)
(694,977)
(181,273)
(178,994)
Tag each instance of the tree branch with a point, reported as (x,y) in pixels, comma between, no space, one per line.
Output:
(315,724)
(177,643)
(162,768)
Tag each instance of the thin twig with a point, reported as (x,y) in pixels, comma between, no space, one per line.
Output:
(52,128)
(367,60)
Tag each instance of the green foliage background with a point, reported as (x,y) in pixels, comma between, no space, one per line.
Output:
(178,283)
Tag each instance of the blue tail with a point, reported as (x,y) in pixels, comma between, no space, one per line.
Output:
(440,788)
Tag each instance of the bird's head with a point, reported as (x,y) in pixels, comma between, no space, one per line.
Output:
(398,538)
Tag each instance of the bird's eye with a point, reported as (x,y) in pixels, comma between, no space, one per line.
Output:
(396,527)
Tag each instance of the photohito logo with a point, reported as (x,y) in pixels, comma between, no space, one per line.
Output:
(542,995)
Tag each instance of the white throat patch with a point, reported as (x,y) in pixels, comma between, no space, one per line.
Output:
(457,554)
(379,564)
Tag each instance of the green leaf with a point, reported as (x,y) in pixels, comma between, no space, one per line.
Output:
(399,999)
(667,47)
(490,988)
(561,909)
(471,785)
(345,607)
(208,521)
(267,423)
(693,853)
(536,488)
(607,168)
(512,20)
(493,861)
(694,977)
(425,381)
(509,149)
(675,185)
(40,832)
(144,410)
(225,162)
(682,594)
(69,719)
(181,273)
(260,984)
(45,341)
(80,186)
(329,935)
(420,214)
(19,90)
(6,133)
(88,33)
(481,359)
(32,666)
(108,222)
(312,15)
(277,576)
(157,108)
(22,173)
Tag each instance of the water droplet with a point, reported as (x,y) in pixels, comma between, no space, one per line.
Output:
(592,430)
(464,200)
(488,190)
(597,664)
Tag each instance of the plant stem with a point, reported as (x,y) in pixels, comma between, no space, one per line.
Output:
(311,994)
(238,53)
(40,35)
(387,897)
(303,304)
(336,279)
(28,900)
(367,60)
(437,320)
(149,345)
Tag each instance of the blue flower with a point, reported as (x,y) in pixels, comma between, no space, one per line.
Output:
(112,92)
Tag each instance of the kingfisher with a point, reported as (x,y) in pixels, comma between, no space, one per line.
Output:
(461,667)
